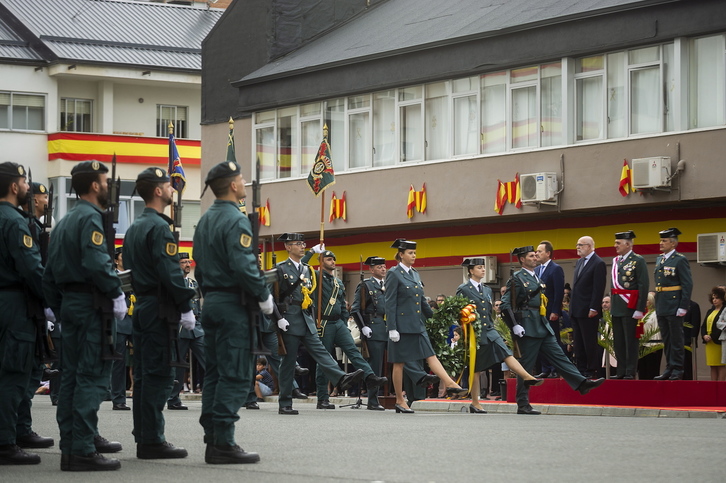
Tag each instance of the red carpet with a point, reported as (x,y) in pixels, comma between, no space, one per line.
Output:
(707,395)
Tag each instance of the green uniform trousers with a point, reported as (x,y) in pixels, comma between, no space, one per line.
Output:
(25,418)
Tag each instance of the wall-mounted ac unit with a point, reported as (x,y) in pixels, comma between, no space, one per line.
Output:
(490,269)
(712,248)
(538,187)
(651,172)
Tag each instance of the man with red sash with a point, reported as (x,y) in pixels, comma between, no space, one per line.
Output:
(629,296)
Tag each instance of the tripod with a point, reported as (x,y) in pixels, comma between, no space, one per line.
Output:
(358,403)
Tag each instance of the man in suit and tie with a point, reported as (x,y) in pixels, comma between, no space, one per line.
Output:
(673,287)
(193,338)
(588,287)
(552,275)
(524,309)
(629,296)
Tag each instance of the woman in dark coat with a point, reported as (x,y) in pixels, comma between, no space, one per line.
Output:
(406,313)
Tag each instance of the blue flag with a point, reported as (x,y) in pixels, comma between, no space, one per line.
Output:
(176,171)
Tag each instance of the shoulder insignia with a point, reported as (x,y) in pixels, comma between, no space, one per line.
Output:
(97,238)
(171,249)
(28,241)
(245,240)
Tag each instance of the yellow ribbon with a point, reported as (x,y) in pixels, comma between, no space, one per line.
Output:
(307,301)
(543,305)
(469,334)
(131,307)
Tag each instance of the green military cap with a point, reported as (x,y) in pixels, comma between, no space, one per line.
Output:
(522,251)
(328,254)
(225,169)
(12,170)
(670,233)
(625,235)
(89,167)
(117,251)
(155,175)
(39,188)
(403,244)
(473,262)
(291,237)
(373,261)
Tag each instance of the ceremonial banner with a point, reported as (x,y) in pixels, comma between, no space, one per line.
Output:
(321,175)
(175,169)
(338,208)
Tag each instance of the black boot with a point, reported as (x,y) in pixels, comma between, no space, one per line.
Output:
(12,454)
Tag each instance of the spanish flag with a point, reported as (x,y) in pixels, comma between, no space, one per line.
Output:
(416,201)
(264,214)
(501,198)
(625,186)
(514,192)
(338,208)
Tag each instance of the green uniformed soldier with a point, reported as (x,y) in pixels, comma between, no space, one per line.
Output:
(295,282)
(492,349)
(627,306)
(20,276)
(162,299)
(26,437)
(524,312)
(231,282)
(673,287)
(78,279)
(334,330)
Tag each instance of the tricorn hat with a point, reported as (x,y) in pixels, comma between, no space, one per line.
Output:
(625,235)
(373,261)
(403,244)
(670,233)
(522,251)
(472,262)
(291,237)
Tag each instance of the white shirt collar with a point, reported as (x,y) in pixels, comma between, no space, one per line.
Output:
(407,269)
(531,272)
(666,256)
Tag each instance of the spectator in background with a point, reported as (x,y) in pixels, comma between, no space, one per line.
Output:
(710,334)
(263,379)
(649,365)
(691,329)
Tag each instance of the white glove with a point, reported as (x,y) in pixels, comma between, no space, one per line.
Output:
(49,315)
(681,312)
(119,307)
(394,335)
(283,324)
(638,315)
(518,330)
(367,331)
(319,248)
(188,321)
(267,306)
(51,325)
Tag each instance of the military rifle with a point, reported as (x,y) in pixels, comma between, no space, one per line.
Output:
(44,348)
(510,314)
(360,316)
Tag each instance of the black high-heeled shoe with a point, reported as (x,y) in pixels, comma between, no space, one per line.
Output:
(456,391)
(401,409)
(472,409)
(533,382)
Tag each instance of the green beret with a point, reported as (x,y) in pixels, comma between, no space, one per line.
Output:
(328,254)
(89,167)
(225,169)
(155,175)
(39,189)
(12,170)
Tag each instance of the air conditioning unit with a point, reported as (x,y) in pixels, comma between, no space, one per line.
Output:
(490,269)
(538,187)
(712,248)
(651,172)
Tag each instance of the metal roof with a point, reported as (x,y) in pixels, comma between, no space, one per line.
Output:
(118,32)
(12,46)
(396,26)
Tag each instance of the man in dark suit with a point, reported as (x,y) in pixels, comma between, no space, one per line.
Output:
(523,310)
(588,287)
(553,277)
(673,287)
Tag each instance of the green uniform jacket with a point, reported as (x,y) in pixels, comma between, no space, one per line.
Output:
(150,251)
(287,276)
(333,301)
(676,271)
(375,307)
(406,307)
(224,257)
(528,316)
(632,275)
(484,309)
(78,254)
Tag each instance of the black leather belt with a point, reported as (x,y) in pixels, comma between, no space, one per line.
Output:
(12,288)
(234,290)
(77,287)
(331,317)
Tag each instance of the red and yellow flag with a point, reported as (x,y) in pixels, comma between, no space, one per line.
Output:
(416,201)
(264,213)
(626,184)
(510,192)
(501,197)
(338,208)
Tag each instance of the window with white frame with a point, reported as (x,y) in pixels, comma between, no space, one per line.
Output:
(438,126)
(494,112)
(466,116)
(75,114)
(359,135)
(589,73)
(410,112)
(707,85)
(21,111)
(175,115)
(384,128)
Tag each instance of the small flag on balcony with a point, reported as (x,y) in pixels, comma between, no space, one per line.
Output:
(626,185)
(338,208)
(510,192)
(416,201)
(501,197)
(176,170)
(264,213)
(322,175)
